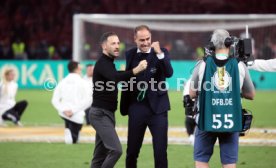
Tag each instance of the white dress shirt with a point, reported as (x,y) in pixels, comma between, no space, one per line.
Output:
(89,80)
(159,56)
(72,93)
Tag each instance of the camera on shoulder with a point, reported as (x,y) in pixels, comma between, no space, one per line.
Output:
(241,49)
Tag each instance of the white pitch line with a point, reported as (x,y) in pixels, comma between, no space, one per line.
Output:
(177,135)
(91,139)
(183,129)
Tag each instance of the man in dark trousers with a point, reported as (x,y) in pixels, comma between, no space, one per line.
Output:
(108,148)
(148,104)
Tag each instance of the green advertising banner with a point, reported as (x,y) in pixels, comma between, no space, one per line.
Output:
(41,74)
(33,74)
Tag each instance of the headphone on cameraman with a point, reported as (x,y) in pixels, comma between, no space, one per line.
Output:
(211,47)
(228,42)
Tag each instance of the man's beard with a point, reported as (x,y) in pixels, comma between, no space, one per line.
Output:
(112,55)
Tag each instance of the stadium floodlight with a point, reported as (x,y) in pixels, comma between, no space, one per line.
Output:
(195,29)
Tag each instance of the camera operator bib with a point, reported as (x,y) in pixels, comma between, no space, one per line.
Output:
(219,99)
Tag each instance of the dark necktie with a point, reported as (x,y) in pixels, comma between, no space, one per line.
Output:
(142,56)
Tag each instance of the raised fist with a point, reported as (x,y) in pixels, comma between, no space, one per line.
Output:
(143,65)
(156,46)
(140,67)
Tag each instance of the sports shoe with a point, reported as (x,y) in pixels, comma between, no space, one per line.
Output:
(18,123)
(192,139)
(68,136)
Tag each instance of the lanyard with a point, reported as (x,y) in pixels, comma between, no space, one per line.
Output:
(141,95)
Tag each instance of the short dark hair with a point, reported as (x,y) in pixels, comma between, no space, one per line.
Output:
(72,66)
(141,27)
(89,65)
(105,36)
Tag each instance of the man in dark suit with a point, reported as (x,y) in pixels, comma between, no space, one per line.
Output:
(147,104)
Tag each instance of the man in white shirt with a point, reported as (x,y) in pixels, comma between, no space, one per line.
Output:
(71,98)
(10,109)
(89,79)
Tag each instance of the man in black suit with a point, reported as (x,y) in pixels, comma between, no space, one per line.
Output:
(148,103)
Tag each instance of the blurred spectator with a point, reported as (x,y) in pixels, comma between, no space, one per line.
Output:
(34,21)
(122,48)
(51,51)
(64,51)
(5,52)
(89,79)
(19,49)
(199,53)
(168,46)
(2,55)
(32,51)
(266,51)
(86,50)
(42,50)
(181,50)
(10,110)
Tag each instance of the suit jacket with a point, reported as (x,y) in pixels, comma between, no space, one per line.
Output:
(159,70)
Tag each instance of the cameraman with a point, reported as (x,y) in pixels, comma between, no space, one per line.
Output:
(220,81)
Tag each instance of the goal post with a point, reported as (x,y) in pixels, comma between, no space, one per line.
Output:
(181,33)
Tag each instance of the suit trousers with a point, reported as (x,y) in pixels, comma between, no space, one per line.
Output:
(140,117)
(87,116)
(108,148)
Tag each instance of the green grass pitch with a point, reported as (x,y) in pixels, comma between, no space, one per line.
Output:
(42,155)
(58,155)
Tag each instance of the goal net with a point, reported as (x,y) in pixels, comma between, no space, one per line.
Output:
(183,35)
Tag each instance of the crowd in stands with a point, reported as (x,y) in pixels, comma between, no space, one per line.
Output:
(36,29)
(181,45)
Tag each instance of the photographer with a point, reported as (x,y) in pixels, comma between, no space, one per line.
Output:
(220,81)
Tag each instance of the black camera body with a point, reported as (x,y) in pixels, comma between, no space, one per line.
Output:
(239,48)
(189,106)
(247,118)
